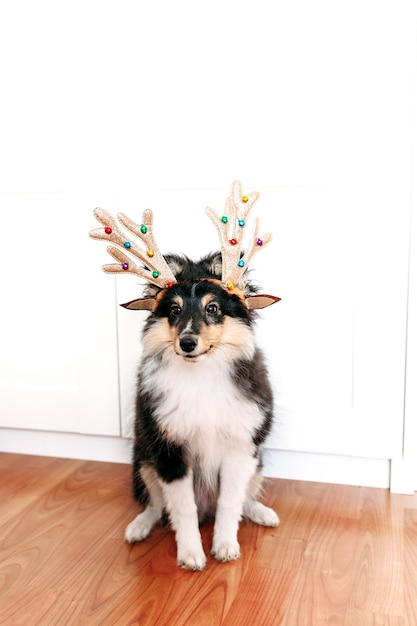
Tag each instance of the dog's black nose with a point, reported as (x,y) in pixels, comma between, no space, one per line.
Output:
(188,343)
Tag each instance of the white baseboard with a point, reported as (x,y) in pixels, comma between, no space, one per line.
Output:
(326,468)
(403,476)
(65,445)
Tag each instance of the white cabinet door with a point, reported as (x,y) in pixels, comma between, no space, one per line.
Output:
(339,334)
(58,359)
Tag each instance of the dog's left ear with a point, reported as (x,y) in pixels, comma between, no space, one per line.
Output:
(141,304)
(260,301)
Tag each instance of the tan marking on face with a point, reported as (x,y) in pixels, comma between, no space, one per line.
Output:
(157,337)
(210,336)
(235,332)
(178,300)
(159,297)
(237,341)
(205,300)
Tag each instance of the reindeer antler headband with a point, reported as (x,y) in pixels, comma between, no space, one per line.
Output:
(230,228)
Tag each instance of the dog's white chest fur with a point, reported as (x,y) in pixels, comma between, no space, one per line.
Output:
(201,407)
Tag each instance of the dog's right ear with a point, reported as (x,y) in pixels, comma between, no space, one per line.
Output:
(141,304)
(260,301)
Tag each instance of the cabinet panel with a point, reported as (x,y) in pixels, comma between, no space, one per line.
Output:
(340,336)
(58,365)
(58,357)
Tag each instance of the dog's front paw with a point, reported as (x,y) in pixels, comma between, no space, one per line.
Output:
(139,529)
(195,561)
(260,514)
(268,517)
(226,551)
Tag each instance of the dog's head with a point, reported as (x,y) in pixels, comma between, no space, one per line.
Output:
(197,318)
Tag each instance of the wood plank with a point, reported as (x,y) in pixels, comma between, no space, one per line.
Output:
(380,555)
(410,564)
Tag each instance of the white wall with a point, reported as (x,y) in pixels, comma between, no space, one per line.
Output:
(132,105)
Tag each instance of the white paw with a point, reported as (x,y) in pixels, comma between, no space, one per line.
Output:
(226,551)
(260,514)
(267,517)
(139,529)
(195,561)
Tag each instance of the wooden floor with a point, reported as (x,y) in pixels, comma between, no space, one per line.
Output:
(342,555)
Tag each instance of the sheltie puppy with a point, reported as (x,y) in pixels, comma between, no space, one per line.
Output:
(203,410)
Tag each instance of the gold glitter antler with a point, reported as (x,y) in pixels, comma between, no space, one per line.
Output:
(230,229)
(156,271)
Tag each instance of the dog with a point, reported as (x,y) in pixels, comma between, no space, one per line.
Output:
(204,404)
(204,408)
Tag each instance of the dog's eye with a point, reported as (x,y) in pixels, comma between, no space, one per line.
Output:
(175,310)
(212,308)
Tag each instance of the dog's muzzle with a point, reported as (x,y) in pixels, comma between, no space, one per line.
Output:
(191,348)
(188,343)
